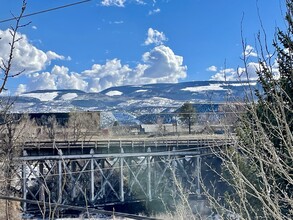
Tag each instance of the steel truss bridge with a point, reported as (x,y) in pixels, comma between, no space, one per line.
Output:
(105,172)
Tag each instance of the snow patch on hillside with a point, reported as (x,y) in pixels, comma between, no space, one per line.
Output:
(141,90)
(151,102)
(211,87)
(69,96)
(44,97)
(243,84)
(114,93)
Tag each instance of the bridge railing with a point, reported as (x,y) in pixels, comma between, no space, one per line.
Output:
(129,145)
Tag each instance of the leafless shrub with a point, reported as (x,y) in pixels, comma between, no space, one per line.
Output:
(257,168)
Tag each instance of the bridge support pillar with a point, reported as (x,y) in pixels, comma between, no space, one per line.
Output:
(73,183)
(41,177)
(149,184)
(92,177)
(198,172)
(24,182)
(121,177)
(60,177)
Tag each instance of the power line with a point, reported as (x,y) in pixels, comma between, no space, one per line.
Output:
(47,10)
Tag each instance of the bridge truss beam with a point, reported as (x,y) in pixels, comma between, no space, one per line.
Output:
(96,180)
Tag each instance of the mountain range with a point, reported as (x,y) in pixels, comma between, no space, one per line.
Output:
(127,103)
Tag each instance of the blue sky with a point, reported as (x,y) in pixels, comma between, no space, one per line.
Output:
(104,43)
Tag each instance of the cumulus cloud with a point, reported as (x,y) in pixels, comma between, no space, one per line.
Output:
(53,56)
(163,64)
(67,80)
(41,81)
(21,89)
(212,69)
(113,73)
(58,78)
(242,73)
(249,51)
(118,3)
(158,65)
(245,73)
(249,72)
(228,74)
(26,56)
(155,37)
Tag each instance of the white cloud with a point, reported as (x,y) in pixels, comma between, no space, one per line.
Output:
(250,72)
(116,22)
(118,3)
(140,2)
(100,77)
(121,3)
(21,89)
(58,78)
(53,56)
(155,37)
(224,75)
(212,69)
(164,65)
(154,11)
(249,51)
(34,27)
(275,69)
(41,81)
(242,73)
(66,80)
(26,56)
(246,73)
(158,65)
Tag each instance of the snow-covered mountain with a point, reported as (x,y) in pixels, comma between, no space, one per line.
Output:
(129,102)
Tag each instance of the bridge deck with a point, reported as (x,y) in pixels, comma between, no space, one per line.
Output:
(133,145)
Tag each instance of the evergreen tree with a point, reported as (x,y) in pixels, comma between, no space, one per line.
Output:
(275,111)
(187,115)
(259,169)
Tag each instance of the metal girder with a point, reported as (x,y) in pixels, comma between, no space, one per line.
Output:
(134,170)
(97,180)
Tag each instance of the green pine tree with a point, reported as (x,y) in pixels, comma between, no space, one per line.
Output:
(259,170)
(187,114)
